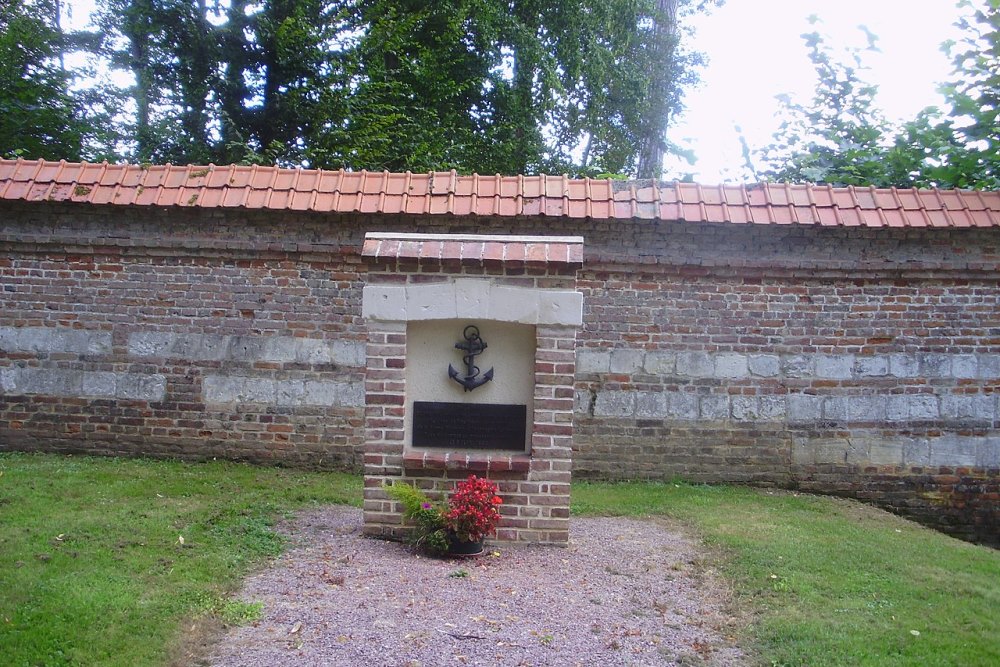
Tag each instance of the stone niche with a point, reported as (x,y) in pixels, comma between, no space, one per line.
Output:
(431,416)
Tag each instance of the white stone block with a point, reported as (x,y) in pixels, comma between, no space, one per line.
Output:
(651,405)
(472,299)
(974,407)
(834,366)
(988,366)
(313,351)
(626,361)
(247,348)
(560,307)
(139,387)
(866,408)
(873,366)
(384,302)
(731,366)
(903,365)
(758,408)
(279,349)
(430,302)
(916,452)
(835,407)
(349,353)
(765,365)
(8,380)
(954,450)
(683,405)
(9,339)
(289,393)
(150,344)
(963,366)
(797,366)
(593,361)
(614,404)
(514,304)
(99,384)
(713,407)
(659,362)
(695,364)
(352,394)
(988,452)
(935,365)
(804,408)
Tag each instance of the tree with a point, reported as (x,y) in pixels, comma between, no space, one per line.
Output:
(971,155)
(38,115)
(671,69)
(507,86)
(842,137)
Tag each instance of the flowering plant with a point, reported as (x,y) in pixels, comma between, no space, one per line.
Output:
(471,514)
(474,509)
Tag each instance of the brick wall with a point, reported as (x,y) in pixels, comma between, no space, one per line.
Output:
(856,361)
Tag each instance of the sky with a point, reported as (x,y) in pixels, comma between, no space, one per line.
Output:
(755,53)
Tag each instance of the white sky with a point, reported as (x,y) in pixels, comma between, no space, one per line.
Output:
(755,52)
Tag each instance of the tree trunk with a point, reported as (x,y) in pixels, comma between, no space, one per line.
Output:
(654,127)
(523,110)
(233,91)
(137,30)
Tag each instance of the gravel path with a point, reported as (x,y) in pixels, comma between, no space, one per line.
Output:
(625,592)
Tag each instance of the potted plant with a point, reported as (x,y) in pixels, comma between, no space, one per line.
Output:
(457,527)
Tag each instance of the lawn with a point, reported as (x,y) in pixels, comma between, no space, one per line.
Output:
(115,562)
(831,581)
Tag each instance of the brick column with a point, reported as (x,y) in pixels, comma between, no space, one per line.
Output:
(528,281)
(385,392)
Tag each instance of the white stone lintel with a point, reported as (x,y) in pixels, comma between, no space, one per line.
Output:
(470,298)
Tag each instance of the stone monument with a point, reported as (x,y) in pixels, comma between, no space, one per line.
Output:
(471,362)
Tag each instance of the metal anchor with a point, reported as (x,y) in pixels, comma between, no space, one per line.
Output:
(473,346)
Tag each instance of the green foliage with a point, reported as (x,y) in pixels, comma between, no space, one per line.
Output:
(971,135)
(471,513)
(831,581)
(94,570)
(38,115)
(430,528)
(518,86)
(842,138)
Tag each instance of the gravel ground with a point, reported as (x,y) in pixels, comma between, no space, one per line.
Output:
(625,592)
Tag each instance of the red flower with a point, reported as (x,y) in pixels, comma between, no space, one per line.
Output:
(473,513)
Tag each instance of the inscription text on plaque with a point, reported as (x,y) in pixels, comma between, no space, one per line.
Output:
(469,425)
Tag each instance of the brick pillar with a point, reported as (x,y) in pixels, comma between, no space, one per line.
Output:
(527,281)
(385,391)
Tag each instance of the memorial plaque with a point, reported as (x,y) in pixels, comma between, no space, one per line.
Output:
(469,425)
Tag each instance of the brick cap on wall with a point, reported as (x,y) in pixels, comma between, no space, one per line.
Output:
(476,248)
(453,194)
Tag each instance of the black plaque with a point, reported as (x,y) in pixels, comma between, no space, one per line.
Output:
(469,425)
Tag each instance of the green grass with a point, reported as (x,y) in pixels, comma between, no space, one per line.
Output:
(92,567)
(93,572)
(829,581)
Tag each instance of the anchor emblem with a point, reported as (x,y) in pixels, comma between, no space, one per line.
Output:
(473,346)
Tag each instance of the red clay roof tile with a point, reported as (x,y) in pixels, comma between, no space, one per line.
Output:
(447,193)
